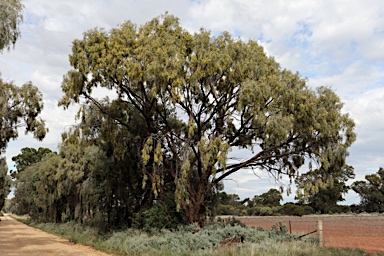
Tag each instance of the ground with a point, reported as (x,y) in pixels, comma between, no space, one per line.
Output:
(18,239)
(353,231)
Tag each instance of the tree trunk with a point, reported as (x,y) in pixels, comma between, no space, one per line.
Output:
(195,210)
(195,214)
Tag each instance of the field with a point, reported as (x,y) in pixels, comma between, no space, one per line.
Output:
(353,231)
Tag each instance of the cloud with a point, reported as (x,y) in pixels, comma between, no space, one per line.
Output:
(334,43)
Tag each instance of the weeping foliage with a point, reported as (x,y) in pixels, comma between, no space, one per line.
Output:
(96,178)
(198,97)
(10,18)
(20,107)
(322,189)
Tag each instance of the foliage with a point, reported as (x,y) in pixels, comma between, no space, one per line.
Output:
(272,198)
(330,190)
(20,106)
(266,204)
(27,157)
(371,192)
(199,96)
(158,217)
(280,229)
(95,179)
(292,209)
(5,182)
(10,19)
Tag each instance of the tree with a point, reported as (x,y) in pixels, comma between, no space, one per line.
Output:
(16,103)
(329,191)
(116,175)
(10,19)
(20,106)
(272,197)
(27,157)
(5,182)
(371,191)
(201,96)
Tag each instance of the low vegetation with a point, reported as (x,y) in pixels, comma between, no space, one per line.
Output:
(191,240)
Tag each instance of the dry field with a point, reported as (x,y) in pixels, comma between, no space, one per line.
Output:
(353,231)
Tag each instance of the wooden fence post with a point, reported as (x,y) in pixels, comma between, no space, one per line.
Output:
(320,232)
(290,227)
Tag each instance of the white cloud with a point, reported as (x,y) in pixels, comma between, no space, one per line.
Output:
(334,43)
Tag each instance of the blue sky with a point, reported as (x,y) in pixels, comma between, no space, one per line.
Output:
(339,44)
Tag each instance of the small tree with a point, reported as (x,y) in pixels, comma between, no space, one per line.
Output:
(371,191)
(330,190)
(272,197)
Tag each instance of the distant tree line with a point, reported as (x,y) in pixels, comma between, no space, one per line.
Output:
(324,201)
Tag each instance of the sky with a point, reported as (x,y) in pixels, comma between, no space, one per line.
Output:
(339,44)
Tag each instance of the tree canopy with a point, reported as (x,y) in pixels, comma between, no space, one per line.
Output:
(200,96)
(331,186)
(27,157)
(20,107)
(10,18)
(272,197)
(371,191)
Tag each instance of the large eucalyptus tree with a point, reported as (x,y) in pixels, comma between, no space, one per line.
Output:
(201,96)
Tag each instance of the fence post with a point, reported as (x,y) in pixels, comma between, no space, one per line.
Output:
(290,227)
(320,232)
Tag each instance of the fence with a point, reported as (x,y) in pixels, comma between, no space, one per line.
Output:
(353,231)
(319,230)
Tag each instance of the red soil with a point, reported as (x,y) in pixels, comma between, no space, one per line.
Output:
(352,231)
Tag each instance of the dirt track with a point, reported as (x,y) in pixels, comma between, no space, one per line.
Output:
(365,232)
(18,239)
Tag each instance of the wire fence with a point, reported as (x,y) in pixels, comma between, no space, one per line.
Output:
(352,231)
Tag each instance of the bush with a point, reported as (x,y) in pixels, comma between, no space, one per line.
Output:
(292,209)
(308,210)
(157,218)
(184,242)
(261,211)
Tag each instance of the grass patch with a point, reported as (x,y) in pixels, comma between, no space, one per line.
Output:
(188,241)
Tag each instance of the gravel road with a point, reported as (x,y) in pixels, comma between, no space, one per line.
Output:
(17,239)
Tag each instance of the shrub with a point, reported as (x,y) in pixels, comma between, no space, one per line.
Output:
(308,210)
(157,218)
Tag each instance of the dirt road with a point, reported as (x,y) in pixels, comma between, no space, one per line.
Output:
(18,239)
